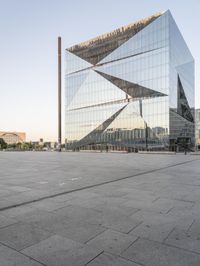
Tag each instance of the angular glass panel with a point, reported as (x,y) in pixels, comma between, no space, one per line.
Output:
(80,123)
(180,128)
(95,135)
(186,69)
(72,85)
(98,48)
(131,89)
(186,75)
(183,106)
(155,112)
(96,90)
(151,37)
(130,129)
(150,70)
(180,53)
(181,89)
(74,63)
(123,121)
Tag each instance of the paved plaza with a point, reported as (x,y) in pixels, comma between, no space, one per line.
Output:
(96,209)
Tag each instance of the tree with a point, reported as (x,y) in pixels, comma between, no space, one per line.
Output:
(3,144)
(19,145)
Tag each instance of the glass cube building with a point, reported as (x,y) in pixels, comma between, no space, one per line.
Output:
(132,88)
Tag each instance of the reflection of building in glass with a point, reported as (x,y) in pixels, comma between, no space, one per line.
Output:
(197,126)
(131,88)
(13,137)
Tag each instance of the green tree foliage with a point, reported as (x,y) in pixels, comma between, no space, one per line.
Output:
(3,144)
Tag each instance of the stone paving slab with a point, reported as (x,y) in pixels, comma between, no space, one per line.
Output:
(111,260)
(18,236)
(157,226)
(150,253)
(5,221)
(112,241)
(18,211)
(10,257)
(81,231)
(150,218)
(59,251)
(59,172)
(186,239)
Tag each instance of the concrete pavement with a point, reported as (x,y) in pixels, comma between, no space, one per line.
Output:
(99,209)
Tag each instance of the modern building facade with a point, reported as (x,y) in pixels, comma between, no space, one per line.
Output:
(132,88)
(13,137)
(197,127)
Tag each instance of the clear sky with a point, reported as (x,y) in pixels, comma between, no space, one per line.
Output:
(28,50)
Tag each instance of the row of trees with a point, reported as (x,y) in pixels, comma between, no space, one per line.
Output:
(25,146)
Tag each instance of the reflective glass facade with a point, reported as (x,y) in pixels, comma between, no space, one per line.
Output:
(197,127)
(130,89)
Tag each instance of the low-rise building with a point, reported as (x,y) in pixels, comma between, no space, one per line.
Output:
(13,137)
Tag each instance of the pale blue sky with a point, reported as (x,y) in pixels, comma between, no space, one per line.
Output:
(28,50)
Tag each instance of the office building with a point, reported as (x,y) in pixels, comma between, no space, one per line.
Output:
(197,127)
(132,88)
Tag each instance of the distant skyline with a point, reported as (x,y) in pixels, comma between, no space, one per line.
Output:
(28,51)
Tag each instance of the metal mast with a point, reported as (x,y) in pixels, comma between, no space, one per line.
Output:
(59,96)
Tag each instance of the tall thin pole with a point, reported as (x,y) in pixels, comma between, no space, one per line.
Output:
(59,95)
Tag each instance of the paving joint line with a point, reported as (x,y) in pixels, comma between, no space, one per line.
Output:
(23,254)
(176,199)
(190,226)
(94,185)
(93,237)
(169,210)
(129,245)
(94,258)
(134,227)
(131,260)
(165,239)
(171,246)
(123,257)
(128,259)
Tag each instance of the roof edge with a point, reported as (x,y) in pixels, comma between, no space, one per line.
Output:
(115,32)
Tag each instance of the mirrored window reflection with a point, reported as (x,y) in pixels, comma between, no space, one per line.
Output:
(83,121)
(92,91)
(73,83)
(152,37)
(74,63)
(102,111)
(149,70)
(182,96)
